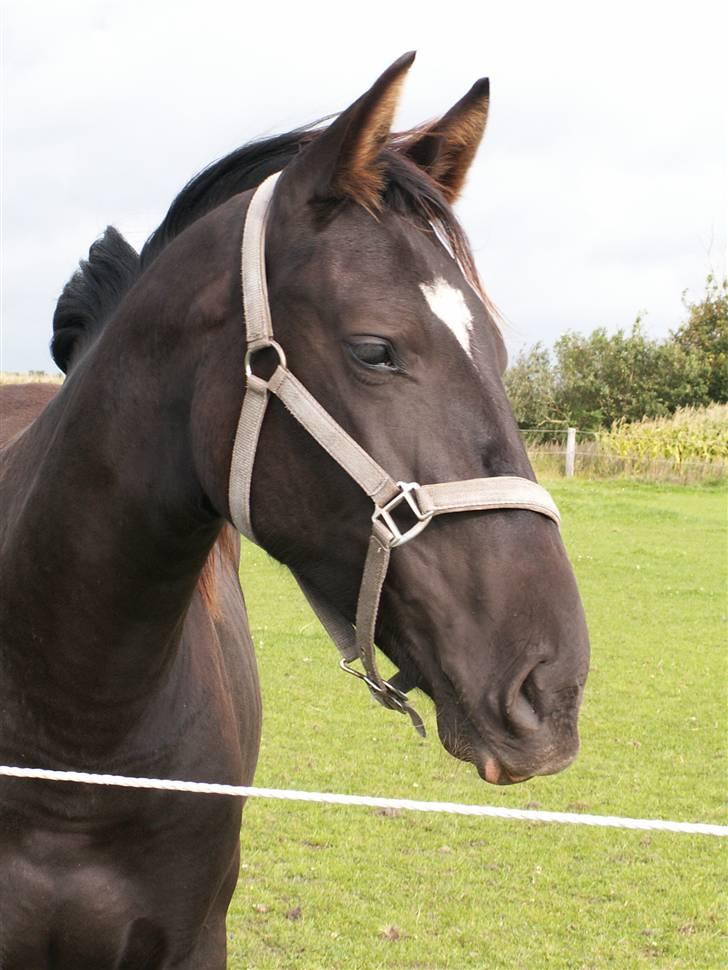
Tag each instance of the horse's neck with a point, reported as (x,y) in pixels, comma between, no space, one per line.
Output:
(107,500)
(104,532)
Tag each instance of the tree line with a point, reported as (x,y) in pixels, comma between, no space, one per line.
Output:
(591,381)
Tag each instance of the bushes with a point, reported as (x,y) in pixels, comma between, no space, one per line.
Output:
(531,386)
(589,382)
(706,333)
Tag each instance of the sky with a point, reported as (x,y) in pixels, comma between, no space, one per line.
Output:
(599,192)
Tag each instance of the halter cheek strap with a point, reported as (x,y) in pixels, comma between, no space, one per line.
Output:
(421,502)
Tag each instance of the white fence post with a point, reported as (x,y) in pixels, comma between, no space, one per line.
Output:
(570,452)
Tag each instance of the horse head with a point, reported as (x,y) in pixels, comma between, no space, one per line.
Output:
(374,299)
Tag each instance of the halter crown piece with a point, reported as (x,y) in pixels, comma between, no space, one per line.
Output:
(423,502)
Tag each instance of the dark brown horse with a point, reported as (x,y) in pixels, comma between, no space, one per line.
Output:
(114,656)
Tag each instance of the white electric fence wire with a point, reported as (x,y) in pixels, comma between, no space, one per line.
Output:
(408,804)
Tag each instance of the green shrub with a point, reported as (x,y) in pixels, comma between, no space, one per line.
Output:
(591,381)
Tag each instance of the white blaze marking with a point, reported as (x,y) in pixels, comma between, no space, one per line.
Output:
(448,304)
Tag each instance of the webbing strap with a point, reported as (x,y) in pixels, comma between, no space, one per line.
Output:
(376,565)
(245,448)
(367,610)
(258,324)
(304,407)
(479,494)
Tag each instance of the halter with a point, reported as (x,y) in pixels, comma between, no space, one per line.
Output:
(423,502)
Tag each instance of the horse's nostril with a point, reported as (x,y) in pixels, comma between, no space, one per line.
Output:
(521,711)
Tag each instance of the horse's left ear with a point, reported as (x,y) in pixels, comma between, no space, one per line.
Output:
(447,148)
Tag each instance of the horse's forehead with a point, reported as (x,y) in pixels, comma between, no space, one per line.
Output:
(397,252)
(397,258)
(447,302)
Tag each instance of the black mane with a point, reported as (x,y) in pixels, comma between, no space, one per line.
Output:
(91,295)
(98,286)
(243,169)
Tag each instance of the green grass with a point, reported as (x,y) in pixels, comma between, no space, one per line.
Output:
(330,887)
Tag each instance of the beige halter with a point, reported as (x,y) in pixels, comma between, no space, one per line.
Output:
(424,501)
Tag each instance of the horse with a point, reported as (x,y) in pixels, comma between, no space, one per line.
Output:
(124,642)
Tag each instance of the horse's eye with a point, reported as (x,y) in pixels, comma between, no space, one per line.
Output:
(373,353)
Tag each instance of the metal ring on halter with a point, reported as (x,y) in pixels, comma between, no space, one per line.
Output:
(273,345)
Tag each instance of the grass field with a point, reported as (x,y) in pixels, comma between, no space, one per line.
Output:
(325,887)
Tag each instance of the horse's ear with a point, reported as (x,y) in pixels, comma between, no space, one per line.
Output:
(342,162)
(447,148)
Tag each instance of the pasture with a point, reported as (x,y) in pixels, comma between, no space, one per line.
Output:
(330,887)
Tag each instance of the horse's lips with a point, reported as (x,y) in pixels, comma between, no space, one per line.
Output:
(476,750)
(494,773)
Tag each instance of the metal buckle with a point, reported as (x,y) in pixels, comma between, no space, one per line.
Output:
(272,345)
(395,697)
(383,514)
(388,696)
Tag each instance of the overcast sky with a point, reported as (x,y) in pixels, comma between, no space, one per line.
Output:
(599,192)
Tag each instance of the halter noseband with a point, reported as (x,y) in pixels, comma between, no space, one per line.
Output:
(423,502)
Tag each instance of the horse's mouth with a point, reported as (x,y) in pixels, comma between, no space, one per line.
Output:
(466,743)
(504,749)
(492,771)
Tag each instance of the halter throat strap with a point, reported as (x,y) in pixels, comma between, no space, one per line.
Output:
(421,502)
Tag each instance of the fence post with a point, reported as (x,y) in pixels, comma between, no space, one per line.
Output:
(570,452)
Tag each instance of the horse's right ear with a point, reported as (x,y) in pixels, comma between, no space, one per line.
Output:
(343,161)
(446,149)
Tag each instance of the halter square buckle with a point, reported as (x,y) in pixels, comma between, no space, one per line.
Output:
(383,514)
